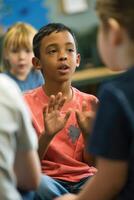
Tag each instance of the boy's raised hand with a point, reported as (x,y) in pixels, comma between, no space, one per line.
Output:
(85,118)
(54,119)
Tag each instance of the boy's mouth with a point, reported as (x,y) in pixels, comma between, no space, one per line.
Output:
(63,68)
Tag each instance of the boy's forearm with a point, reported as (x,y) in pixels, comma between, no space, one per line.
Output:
(88,158)
(44,142)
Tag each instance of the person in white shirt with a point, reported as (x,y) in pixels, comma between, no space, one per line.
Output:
(19,162)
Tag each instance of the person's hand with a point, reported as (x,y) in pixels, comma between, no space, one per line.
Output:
(85,118)
(66,197)
(54,119)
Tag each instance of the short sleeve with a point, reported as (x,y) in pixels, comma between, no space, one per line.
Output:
(110,137)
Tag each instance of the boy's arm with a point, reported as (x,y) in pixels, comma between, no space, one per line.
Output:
(54,121)
(106,184)
(44,142)
(89,159)
(85,119)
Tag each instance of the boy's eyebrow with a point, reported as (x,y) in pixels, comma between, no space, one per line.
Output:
(51,45)
(56,44)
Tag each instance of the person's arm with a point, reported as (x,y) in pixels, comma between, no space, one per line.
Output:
(18,141)
(44,142)
(54,122)
(27,170)
(85,119)
(106,184)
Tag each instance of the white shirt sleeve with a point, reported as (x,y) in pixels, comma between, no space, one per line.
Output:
(14,115)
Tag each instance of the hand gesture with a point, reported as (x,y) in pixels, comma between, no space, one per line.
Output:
(85,118)
(54,119)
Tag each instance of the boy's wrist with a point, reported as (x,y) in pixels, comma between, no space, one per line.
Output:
(46,136)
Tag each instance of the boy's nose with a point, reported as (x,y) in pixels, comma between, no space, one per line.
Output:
(63,56)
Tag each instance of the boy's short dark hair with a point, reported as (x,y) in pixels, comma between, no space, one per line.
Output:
(47,30)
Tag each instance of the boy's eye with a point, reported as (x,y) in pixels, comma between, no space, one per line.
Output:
(52,51)
(71,50)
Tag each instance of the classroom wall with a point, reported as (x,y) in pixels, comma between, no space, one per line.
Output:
(80,22)
(40,12)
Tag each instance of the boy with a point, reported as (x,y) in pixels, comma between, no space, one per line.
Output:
(61,139)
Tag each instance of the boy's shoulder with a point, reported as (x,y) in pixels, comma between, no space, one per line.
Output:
(83,95)
(32,91)
(32,94)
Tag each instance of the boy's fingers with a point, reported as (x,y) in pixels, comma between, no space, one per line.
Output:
(94,104)
(59,101)
(45,110)
(58,98)
(67,115)
(84,106)
(77,113)
(51,104)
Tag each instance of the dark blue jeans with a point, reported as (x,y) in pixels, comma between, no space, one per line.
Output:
(51,188)
(73,187)
(27,195)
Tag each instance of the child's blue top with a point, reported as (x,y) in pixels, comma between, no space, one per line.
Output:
(33,80)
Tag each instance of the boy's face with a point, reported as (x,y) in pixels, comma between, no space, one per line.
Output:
(58,56)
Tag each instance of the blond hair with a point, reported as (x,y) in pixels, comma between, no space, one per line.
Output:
(17,36)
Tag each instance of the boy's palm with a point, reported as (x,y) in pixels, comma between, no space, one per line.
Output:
(53,118)
(85,118)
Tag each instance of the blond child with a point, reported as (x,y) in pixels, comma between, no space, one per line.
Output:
(17,56)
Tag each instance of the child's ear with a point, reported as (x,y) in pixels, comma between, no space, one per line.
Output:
(36,63)
(78,60)
(116,31)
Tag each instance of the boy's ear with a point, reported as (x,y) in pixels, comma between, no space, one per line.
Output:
(116,31)
(78,60)
(36,63)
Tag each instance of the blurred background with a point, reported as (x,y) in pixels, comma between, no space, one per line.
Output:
(79,15)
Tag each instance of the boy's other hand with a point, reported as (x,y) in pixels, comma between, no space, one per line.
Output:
(85,118)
